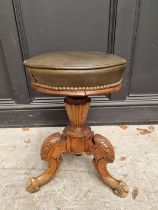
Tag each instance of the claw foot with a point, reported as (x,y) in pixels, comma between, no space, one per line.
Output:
(32,185)
(121,190)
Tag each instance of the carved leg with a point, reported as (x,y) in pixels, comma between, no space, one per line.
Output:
(103,153)
(51,150)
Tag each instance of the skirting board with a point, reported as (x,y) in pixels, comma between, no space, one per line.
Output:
(96,116)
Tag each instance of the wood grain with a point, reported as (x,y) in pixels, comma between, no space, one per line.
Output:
(76,93)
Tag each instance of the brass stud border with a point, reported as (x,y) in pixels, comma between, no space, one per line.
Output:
(78,88)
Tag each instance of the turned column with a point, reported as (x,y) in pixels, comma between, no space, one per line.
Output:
(76,132)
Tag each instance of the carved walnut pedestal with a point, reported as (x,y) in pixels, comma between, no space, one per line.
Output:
(77,138)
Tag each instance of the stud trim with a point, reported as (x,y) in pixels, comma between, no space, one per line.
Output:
(78,88)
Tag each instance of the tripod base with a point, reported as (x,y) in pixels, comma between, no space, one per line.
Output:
(77,138)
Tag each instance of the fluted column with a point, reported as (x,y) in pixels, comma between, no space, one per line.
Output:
(77,109)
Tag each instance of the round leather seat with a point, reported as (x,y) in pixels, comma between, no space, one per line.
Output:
(76,70)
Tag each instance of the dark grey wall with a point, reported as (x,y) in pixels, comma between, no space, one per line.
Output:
(127,28)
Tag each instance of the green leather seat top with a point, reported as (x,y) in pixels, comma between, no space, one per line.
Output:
(76,70)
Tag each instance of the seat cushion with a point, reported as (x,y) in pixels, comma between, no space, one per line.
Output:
(76,70)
